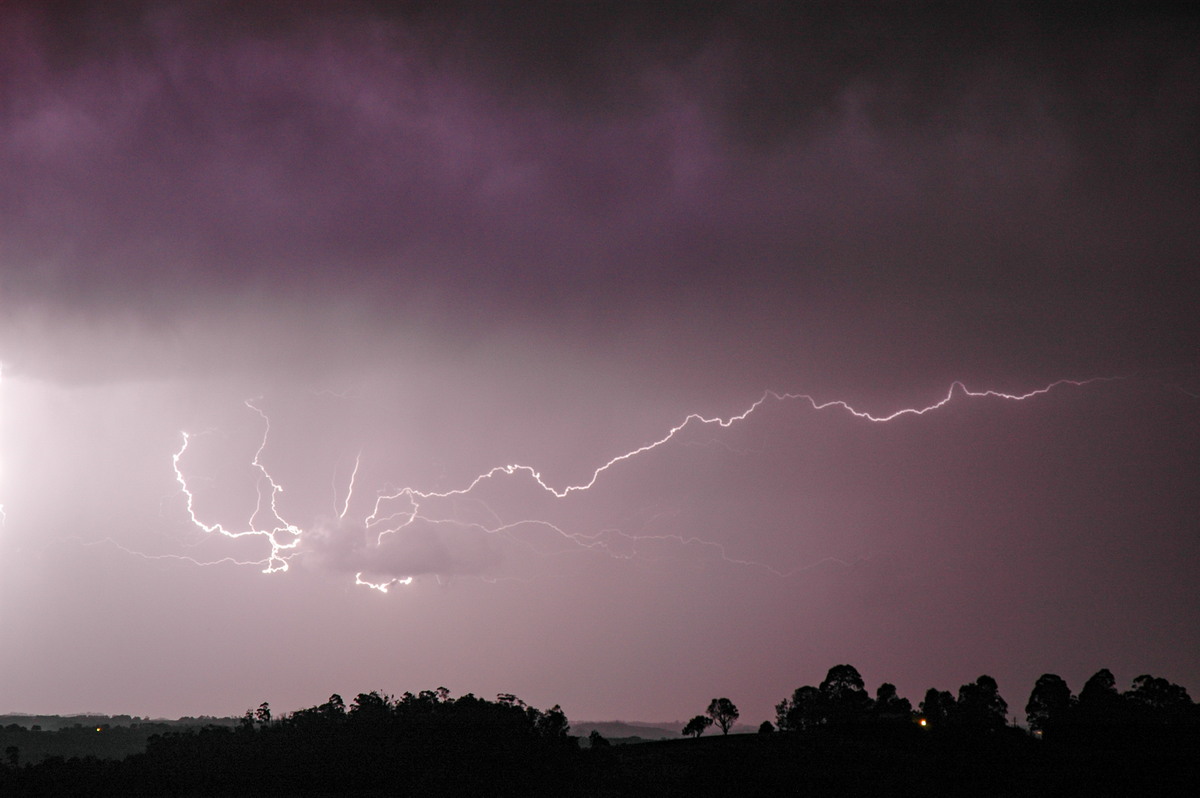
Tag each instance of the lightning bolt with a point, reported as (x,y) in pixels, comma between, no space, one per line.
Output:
(350,488)
(696,418)
(382,587)
(281,549)
(414,496)
(386,518)
(175,557)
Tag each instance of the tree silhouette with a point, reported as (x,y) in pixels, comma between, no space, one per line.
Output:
(334,708)
(723,713)
(980,707)
(696,726)
(889,707)
(802,712)
(845,696)
(551,724)
(1049,705)
(938,707)
(1099,706)
(1155,701)
(371,707)
(1099,690)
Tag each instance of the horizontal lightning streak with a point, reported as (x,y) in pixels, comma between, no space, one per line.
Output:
(382,587)
(594,541)
(179,557)
(390,520)
(730,421)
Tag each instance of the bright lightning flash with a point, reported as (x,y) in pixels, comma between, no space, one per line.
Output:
(396,509)
(382,587)
(282,536)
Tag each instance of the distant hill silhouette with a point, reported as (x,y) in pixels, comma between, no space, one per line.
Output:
(620,730)
(56,722)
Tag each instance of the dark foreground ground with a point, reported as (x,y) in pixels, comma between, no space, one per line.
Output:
(892,762)
(905,764)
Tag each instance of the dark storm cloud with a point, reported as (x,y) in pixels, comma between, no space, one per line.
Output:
(576,168)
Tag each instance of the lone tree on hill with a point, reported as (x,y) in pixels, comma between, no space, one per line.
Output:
(696,726)
(723,713)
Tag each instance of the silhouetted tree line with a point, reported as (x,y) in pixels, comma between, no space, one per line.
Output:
(21,744)
(427,743)
(1152,705)
(837,739)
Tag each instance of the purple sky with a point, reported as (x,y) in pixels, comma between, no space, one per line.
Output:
(447,239)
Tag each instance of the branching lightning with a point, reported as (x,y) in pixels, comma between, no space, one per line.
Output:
(397,509)
(281,549)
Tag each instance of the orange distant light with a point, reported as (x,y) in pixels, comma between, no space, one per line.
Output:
(923,723)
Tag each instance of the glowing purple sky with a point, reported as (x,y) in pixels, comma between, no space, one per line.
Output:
(450,239)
